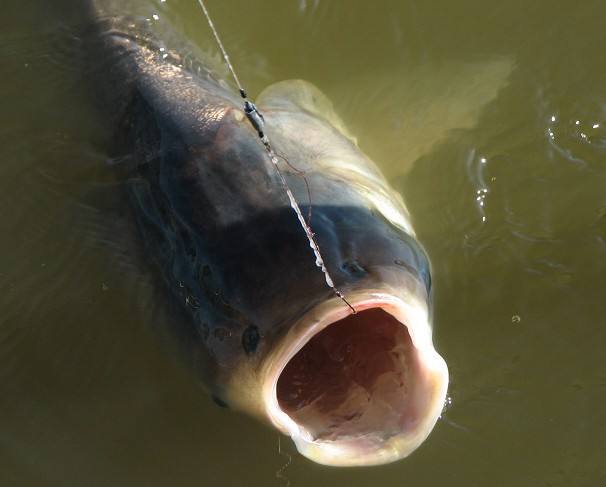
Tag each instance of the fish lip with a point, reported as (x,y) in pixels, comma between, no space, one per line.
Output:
(413,314)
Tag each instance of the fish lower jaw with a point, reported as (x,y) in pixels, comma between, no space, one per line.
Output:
(356,390)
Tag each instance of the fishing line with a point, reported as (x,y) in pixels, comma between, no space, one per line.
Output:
(302,175)
(258,122)
(280,472)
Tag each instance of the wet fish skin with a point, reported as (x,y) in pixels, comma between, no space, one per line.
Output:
(213,213)
(215,219)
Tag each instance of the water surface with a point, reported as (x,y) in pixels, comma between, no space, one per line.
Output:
(490,118)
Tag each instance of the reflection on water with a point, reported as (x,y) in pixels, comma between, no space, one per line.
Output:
(491,121)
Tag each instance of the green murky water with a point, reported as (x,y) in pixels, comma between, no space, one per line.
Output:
(489,117)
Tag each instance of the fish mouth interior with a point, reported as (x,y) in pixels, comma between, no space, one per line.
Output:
(355,383)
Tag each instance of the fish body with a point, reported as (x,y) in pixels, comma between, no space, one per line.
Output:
(266,335)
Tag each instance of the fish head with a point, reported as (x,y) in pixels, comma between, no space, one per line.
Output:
(350,388)
(269,337)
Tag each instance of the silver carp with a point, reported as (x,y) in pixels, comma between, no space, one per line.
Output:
(265,334)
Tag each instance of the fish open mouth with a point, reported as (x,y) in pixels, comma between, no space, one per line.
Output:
(352,379)
(360,389)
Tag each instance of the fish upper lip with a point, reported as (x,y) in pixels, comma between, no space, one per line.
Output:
(409,311)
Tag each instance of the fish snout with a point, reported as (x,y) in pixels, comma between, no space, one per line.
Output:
(358,389)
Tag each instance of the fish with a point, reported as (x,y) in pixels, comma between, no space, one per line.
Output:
(264,334)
